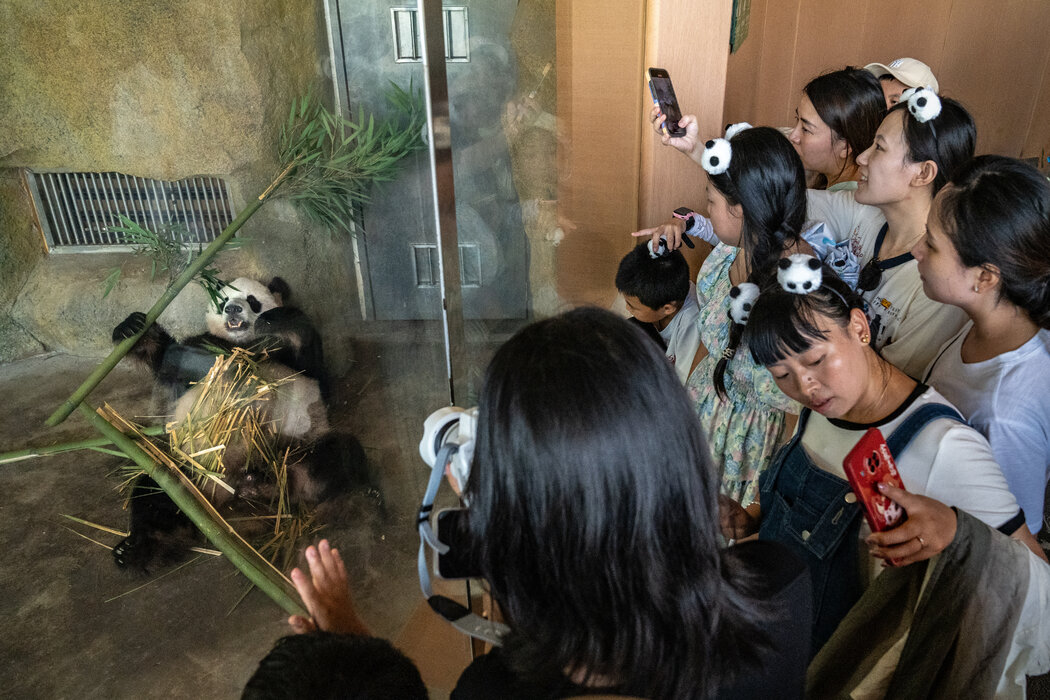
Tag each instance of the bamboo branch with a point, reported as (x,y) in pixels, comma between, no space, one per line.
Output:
(174,483)
(89,444)
(122,348)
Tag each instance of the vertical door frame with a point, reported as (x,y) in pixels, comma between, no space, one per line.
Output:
(439,144)
(341,103)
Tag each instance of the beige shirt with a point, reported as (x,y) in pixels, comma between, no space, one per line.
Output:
(909,328)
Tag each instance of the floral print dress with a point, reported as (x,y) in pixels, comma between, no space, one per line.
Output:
(742,430)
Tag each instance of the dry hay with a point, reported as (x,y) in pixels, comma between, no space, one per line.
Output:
(228,440)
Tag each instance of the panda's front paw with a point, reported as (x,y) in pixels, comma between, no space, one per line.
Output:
(131,553)
(130,326)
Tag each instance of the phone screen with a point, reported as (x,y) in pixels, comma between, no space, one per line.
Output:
(663,94)
(458,562)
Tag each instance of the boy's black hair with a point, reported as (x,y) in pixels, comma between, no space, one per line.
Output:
(655,281)
(327,666)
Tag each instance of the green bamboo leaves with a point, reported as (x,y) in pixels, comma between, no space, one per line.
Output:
(168,253)
(337,159)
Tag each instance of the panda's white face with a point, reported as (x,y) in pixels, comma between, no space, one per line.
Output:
(245,300)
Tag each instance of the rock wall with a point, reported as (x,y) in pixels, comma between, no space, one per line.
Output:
(161,90)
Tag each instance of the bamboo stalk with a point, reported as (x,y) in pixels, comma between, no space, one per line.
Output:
(249,562)
(90,443)
(122,349)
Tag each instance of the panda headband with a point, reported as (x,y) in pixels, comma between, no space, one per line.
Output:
(923,104)
(718,152)
(796,274)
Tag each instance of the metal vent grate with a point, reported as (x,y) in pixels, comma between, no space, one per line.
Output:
(77,209)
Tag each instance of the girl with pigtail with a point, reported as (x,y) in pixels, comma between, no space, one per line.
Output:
(756,197)
(808,329)
(987,252)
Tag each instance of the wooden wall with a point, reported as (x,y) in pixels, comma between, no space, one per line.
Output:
(991,56)
(614,175)
(599,66)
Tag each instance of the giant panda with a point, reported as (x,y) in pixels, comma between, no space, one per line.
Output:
(287,348)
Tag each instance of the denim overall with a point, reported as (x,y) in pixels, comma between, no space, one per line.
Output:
(816,514)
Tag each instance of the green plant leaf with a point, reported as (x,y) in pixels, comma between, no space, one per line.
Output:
(111,281)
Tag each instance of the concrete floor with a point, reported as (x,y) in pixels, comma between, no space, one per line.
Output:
(77,627)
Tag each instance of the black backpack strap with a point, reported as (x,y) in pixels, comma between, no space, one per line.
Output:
(911,426)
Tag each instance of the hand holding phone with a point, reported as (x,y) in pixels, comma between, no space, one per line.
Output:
(663,97)
(867,464)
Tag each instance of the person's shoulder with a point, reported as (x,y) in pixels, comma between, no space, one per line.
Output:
(690,306)
(954,437)
(840,200)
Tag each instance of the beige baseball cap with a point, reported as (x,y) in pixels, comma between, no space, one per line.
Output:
(910,71)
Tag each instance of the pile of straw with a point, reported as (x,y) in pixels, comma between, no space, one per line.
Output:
(227,440)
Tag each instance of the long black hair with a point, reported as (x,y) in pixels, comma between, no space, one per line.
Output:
(766,178)
(782,323)
(594,505)
(998,212)
(850,101)
(949,139)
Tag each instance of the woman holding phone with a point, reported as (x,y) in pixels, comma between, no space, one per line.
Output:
(919,146)
(835,120)
(817,346)
(756,198)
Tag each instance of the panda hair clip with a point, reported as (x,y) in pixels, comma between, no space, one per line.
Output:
(923,103)
(718,152)
(660,251)
(799,273)
(741,300)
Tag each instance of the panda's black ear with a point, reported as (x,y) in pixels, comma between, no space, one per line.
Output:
(280,290)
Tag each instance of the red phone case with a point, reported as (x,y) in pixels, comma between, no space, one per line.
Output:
(868,463)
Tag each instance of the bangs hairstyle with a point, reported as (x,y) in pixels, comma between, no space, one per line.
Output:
(851,103)
(655,281)
(998,212)
(784,324)
(593,506)
(949,139)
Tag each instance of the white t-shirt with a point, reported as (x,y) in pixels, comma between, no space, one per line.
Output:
(948,461)
(908,326)
(1007,398)
(682,335)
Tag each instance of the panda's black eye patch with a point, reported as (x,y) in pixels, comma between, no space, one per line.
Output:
(254,303)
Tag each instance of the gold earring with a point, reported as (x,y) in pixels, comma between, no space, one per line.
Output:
(865,338)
